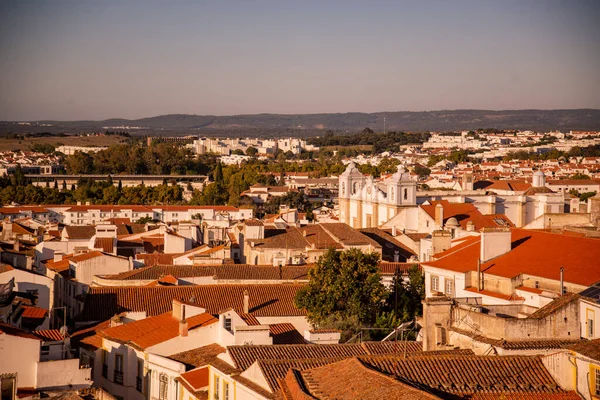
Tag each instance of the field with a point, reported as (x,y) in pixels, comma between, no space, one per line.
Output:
(25,145)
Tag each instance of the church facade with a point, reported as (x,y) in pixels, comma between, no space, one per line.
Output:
(366,203)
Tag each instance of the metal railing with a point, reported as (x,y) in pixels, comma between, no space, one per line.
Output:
(138,384)
(118,378)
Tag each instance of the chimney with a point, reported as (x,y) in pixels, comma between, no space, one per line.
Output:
(78,203)
(562,281)
(441,241)
(439,215)
(394,232)
(470,226)
(183,325)
(16,245)
(87,203)
(304,232)
(494,242)
(58,256)
(246,302)
(478,275)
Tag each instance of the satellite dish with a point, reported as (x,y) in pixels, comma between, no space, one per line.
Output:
(63,331)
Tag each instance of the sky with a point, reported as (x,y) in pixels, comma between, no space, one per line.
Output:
(98,59)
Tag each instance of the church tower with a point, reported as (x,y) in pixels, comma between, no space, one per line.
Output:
(401,189)
(351,182)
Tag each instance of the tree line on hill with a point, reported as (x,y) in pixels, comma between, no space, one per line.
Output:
(389,141)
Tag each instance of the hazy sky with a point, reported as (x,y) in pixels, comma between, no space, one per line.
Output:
(99,59)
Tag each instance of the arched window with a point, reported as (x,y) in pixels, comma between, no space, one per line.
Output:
(355,187)
(163,386)
(256,260)
(343,188)
(405,194)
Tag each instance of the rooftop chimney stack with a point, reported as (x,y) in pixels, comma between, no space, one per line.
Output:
(562,281)
(494,242)
(439,215)
(246,302)
(183,325)
(58,256)
(478,275)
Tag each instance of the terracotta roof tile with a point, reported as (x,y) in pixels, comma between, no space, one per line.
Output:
(350,379)
(79,232)
(150,331)
(34,312)
(104,244)
(534,253)
(265,300)
(588,348)
(199,356)
(10,330)
(467,375)
(285,333)
(220,271)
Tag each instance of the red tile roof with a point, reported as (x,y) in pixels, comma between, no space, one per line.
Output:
(466,375)
(534,253)
(350,379)
(151,331)
(199,356)
(196,379)
(463,212)
(34,312)
(285,333)
(105,244)
(265,300)
(10,330)
(220,271)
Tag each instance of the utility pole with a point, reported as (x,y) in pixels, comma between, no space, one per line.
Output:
(384,125)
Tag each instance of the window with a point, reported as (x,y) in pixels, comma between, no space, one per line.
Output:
(435,283)
(118,372)
(45,349)
(139,380)
(226,391)
(537,284)
(104,364)
(449,286)
(216,387)
(405,194)
(227,323)
(163,386)
(33,292)
(597,382)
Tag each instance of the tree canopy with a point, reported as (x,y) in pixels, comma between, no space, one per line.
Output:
(343,285)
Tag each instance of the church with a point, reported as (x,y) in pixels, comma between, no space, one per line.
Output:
(392,203)
(367,203)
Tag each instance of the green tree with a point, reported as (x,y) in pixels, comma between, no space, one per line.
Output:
(580,176)
(405,298)
(343,285)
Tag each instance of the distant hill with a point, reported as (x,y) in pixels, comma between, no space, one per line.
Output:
(311,124)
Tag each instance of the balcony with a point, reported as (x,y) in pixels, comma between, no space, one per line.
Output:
(118,377)
(138,383)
